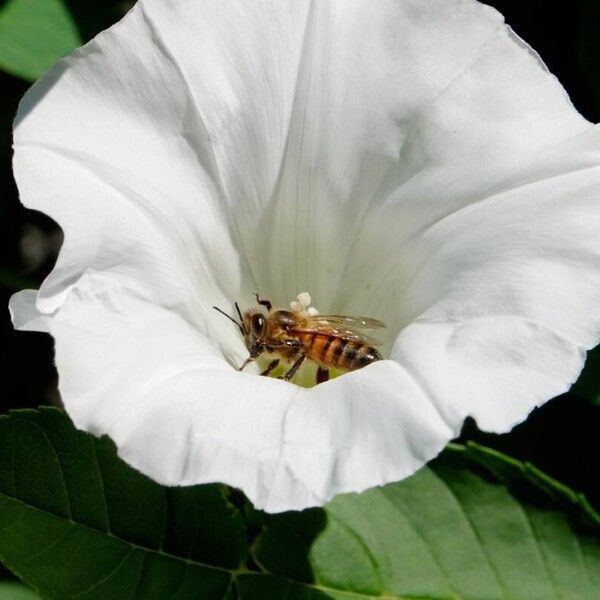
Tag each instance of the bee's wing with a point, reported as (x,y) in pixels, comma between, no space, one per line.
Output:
(347,328)
(355,323)
(344,334)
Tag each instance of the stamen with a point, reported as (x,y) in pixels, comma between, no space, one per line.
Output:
(304,299)
(302,305)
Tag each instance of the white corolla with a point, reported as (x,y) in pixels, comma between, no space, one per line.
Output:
(412,161)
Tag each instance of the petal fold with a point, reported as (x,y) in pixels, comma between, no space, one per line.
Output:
(179,413)
(410,160)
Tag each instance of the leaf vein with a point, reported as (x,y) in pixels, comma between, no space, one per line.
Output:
(181,581)
(478,537)
(419,534)
(60,465)
(358,538)
(139,577)
(101,483)
(108,575)
(51,546)
(539,549)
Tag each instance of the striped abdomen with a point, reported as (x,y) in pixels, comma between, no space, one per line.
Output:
(338,352)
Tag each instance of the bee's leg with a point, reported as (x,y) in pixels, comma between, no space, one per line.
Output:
(271,366)
(322,375)
(294,367)
(264,303)
(248,360)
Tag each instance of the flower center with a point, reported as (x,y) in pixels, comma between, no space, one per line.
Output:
(302,346)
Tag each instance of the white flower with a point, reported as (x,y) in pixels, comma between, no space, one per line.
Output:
(407,160)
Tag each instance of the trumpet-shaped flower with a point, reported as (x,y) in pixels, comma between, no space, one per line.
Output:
(408,160)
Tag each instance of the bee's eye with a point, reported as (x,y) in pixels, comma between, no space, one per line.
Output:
(258,324)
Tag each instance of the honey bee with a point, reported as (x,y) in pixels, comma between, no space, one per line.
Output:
(292,336)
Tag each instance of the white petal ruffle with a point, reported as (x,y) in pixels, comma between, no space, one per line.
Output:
(410,160)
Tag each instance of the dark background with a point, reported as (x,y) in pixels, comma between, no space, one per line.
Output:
(560,438)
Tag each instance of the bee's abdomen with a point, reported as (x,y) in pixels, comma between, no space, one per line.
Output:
(347,355)
(354,355)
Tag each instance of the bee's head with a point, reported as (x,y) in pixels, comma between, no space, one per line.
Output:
(254,326)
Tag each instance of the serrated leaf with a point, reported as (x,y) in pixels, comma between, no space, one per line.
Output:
(76,522)
(34,34)
(452,531)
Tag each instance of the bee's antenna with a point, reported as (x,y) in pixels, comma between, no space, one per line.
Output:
(240,325)
(239,312)
(264,303)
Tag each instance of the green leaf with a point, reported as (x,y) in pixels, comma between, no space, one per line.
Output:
(450,531)
(12,281)
(75,521)
(588,384)
(12,590)
(34,34)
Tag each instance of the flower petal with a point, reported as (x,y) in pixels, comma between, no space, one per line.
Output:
(512,286)
(378,157)
(24,314)
(111,144)
(179,413)
(399,117)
